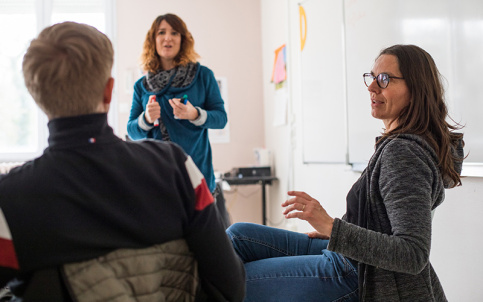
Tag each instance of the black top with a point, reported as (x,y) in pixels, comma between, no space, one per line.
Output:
(91,193)
(356,204)
(353,203)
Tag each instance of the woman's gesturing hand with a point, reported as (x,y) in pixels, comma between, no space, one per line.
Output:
(153,110)
(303,206)
(183,111)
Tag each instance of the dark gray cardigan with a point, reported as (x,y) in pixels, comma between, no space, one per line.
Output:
(403,186)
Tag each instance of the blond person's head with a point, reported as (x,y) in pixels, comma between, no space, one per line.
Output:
(66,69)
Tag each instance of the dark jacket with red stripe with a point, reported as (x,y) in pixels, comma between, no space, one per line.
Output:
(91,193)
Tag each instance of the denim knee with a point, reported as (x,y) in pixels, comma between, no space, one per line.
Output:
(236,229)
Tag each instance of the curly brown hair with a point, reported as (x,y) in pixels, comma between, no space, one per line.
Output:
(151,61)
(427,113)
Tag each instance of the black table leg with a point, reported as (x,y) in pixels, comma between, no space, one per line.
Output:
(264,205)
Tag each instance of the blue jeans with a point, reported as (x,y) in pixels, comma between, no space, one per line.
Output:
(288,266)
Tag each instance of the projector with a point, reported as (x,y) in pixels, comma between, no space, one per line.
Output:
(252,172)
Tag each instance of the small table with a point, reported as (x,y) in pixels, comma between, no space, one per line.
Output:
(252,180)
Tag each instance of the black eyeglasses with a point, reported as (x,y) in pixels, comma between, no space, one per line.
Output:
(382,79)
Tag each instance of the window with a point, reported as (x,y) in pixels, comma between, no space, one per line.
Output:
(23,130)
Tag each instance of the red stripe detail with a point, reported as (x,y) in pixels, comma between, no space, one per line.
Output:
(203,196)
(7,254)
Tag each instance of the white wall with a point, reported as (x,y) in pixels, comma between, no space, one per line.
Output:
(457,224)
(328,183)
(456,249)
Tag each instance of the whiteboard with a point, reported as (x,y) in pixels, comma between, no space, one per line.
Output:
(342,42)
(322,84)
(451,31)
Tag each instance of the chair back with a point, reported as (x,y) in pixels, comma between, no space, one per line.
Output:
(164,272)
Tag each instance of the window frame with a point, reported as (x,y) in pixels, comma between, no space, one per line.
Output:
(43,11)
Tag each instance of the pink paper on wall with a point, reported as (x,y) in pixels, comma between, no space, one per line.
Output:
(279,73)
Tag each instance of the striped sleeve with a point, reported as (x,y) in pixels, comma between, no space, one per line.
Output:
(203,194)
(8,258)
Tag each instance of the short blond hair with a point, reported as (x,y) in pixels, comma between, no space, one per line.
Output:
(67,67)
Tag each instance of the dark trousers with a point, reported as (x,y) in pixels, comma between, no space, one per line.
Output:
(220,205)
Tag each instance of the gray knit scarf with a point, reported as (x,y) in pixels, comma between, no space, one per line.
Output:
(183,76)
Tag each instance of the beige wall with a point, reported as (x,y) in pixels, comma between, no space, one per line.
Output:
(228,38)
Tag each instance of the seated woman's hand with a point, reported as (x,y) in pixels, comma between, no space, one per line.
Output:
(303,206)
(315,234)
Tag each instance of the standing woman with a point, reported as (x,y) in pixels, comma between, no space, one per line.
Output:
(158,110)
(379,250)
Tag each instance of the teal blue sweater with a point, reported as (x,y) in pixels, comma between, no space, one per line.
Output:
(204,93)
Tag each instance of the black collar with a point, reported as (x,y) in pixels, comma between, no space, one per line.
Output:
(80,130)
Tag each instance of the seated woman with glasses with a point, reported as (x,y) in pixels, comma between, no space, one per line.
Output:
(379,250)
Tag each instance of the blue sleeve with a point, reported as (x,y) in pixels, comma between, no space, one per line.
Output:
(214,105)
(137,107)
